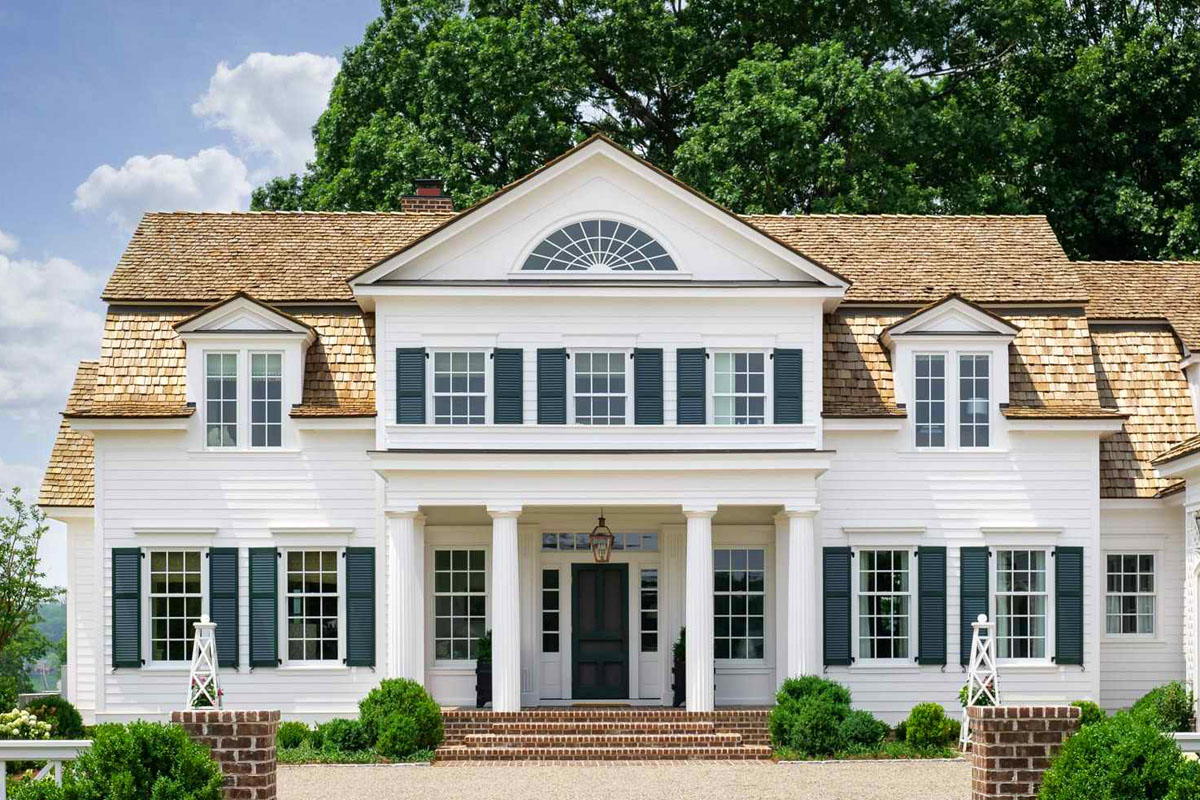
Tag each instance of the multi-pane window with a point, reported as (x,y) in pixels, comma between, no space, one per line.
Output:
(176,597)
(649,610)
(550,611)
(266,399)
(600,388)
(739,388)
(931,400)
(640,542)
(884,603)
(220,399)
(311,584)
(459,387)
(459,603)
(739,585)
(1021,600)
(973,394)
(1129,600)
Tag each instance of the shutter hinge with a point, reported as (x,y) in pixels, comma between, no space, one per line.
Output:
(142,661)
(279,662)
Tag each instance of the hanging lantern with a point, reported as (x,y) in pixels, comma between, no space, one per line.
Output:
(601,541)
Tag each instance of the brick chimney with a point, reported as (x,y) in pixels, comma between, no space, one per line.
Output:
(431,196)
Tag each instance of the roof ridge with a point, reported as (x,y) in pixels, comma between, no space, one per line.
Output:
(898,216)
(300,213)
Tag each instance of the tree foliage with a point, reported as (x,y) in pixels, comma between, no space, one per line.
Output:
(1085,110)
(21,591)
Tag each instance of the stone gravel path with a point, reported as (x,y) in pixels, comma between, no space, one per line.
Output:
(889,780)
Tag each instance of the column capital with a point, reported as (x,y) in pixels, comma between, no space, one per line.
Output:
(504,512)
(699,512)
(793,512)
(410,512)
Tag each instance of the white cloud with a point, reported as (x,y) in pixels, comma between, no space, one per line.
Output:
(8,243)
(211,180)
(270,103)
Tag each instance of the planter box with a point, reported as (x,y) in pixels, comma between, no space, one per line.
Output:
(483,683)
(679,682)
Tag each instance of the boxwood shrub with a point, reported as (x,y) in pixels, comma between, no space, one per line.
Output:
(292,734)
(65,721)
(1121,757)
(861,732)
(1090,713)
(399,718)
(810,686)
(928,727)
(342,735)
(808,716)
(1167,708)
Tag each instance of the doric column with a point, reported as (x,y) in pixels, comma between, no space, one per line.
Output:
(506,611)
(698,583)
(406,554)
(799,601)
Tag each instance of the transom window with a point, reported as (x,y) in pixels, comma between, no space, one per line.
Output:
(459,387)
(550,611)
(459,603)
(884,603)
(973,403)
(739,587)
(639,542)
(220,399)
(601,245)
(931,400)
(600,389)
(176,597)
(739,388)
(1129,600)
(312,605)
(266,399)
(1021,597)
(649,610)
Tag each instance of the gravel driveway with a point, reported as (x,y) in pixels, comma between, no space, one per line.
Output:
(890,780)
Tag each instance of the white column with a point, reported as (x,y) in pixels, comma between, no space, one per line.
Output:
(506,611)
(701,674)
(406,607)
(799,576)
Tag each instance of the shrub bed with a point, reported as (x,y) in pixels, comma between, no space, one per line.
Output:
(65,720)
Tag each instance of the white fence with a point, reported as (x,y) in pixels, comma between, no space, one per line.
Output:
(53,752)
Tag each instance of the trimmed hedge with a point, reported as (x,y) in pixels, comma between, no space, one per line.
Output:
(342,735)
(928,727)
(860,731)
(400,718)
(1167,708)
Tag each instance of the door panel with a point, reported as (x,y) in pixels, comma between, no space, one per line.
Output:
(600,631)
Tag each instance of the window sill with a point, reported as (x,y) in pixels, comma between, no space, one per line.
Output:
(1039,665)
(167,668)
(1133,639)
(885,665)
(228,451)
(331,668)
(755,666)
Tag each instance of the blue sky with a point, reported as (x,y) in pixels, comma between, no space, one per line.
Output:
(109,109)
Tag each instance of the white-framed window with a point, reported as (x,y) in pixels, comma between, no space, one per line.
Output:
(312,583)
(1130,594)
(601,384)
(176,594)
(459,387)
(739,388)
(220,399)
(885,603)
(648,607)
(1022,603)
(739,604)
(266,399)
(459,602)
(974,399)
(930,400)
(551,610)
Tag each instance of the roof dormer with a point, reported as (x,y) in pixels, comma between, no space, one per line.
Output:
(952,317)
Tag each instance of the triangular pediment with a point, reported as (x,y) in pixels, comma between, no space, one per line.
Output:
(952,316)
(599,212)
(242,314)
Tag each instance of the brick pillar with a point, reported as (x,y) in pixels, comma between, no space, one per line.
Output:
(1011,746)
(243,744)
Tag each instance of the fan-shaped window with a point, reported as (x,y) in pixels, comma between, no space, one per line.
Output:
(599,244)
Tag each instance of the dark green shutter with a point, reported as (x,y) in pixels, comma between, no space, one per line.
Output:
(264,607)
(648,386)
(360,606)
(931,605)
(223,602)
(689,386)
(552,386)
(127,607)
(789,386)
(1068,605)
(410,385)
(972,596)
(506,393)
(836,583)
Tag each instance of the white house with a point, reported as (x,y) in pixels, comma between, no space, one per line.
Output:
(824,444)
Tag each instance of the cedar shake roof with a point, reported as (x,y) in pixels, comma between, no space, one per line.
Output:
(1185,448)
(1137,371)
(858,373)
(1163,290)
(920,259)
(70,475)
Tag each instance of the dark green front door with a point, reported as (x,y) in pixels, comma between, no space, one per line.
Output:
(600,631)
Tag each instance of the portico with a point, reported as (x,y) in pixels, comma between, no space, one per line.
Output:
(720,542)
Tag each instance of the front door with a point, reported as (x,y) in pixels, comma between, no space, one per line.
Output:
(600,631)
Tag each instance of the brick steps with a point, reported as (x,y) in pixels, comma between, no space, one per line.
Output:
(604,734)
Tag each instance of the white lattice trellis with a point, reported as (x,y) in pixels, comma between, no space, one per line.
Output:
(983,682)
(204,691)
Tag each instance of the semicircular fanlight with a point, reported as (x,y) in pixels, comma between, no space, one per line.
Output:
(603,245)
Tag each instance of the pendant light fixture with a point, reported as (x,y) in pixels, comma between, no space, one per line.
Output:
(601,540)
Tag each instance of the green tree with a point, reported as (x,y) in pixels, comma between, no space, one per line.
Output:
(21,590)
